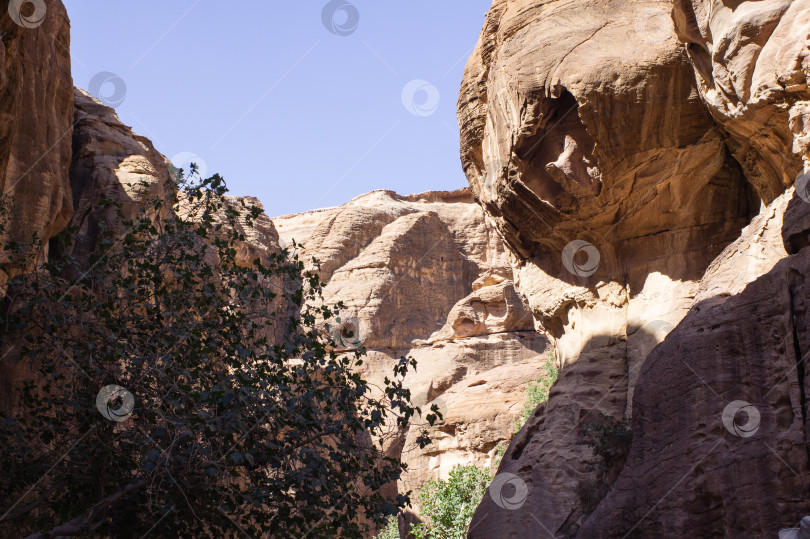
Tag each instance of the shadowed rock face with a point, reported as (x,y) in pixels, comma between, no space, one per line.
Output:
(36,114)
(605,122)
(109,162)
(745,342)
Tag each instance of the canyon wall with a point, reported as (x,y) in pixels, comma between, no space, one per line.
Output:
(36,117)
(635,158)
(424,276)
(637,209)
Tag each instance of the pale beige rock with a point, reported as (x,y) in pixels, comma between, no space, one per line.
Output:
(479,410)
(751,63)
(491,309)
(425,277)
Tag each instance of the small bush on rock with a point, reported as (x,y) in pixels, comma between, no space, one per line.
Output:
(610,439)
(448,506)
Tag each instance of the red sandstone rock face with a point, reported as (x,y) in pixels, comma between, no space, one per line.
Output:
(687,470)
(109,162)
(580,121)
(751,62)
(36,116)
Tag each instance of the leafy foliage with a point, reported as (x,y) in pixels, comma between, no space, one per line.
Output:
(500,451)
(391,530)
(537,393)
(246,419)
(448,506)
(610,439)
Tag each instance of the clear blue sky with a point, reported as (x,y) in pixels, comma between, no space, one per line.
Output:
(285,109)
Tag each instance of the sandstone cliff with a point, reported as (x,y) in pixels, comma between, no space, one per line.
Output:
(423,276)
(620,155)
(632,210)
(36,116)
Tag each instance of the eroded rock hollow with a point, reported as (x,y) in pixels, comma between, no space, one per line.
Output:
(637,158)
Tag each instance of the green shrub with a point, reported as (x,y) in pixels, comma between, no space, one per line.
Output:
(448,506)
(391,530)
(610,439)
(538,392)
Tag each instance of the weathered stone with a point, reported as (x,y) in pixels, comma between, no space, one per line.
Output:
(751,65)
(622,185)
(424,277)
(36,115)
(743,341)
(110,163)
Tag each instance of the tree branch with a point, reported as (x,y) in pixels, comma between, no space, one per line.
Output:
(83,523)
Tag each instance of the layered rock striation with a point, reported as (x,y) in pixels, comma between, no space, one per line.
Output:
(634,156)
(423,276)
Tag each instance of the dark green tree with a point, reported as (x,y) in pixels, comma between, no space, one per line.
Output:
(172,389)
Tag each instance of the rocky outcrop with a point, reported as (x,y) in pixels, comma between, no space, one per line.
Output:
(36,115)
(751,63)
(720,422)
(622,183)
(111,163)
(423,276)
